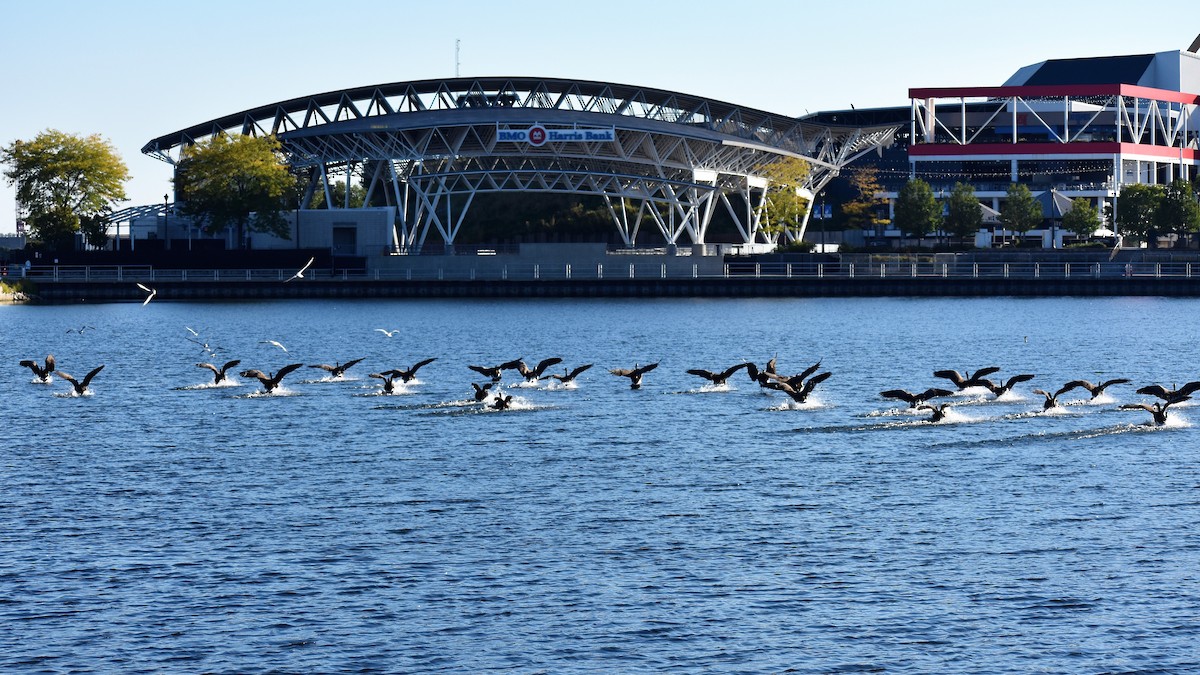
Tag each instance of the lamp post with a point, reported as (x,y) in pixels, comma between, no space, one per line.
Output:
(821,216)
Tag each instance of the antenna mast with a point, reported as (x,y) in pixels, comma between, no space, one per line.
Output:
(456,62)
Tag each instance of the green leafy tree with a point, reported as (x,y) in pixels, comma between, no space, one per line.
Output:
(235,181)
(55,228)
(1136,207)
(61,178)
(1178,211)
(964,215)
(917,211)
(783,207)
(95,230)
(1020,211)
(862,212)
(1083,219)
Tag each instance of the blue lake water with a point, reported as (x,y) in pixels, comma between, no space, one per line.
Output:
(162,524)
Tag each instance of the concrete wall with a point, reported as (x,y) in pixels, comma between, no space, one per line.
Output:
(370,231)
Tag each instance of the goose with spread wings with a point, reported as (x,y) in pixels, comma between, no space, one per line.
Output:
(43,371)
(219,373)
(1097,389)
(801,390)
(337,369)
(271,382)
(570,375)
(1006,386)
(938,411)
(794,381)
(1158,411)
(411,373)
(1052,399)
(534,374)
(495,372)
(915,400)
(1170,395)
(81,387)
(481,390)
(968,380)
(634,374)
(718,378)
(388,385)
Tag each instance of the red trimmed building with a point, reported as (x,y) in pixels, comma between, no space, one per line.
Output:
(1065,128)
(1072,127)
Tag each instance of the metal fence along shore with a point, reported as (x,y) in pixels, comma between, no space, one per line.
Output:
(537,272)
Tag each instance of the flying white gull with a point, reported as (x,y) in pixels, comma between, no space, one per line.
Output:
(149,290)
(300,274)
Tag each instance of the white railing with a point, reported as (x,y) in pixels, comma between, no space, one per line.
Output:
(627,270)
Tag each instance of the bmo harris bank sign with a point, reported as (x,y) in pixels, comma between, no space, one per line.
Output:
(538,135)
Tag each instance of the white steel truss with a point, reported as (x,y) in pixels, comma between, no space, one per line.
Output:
(429,147)
(1013,118)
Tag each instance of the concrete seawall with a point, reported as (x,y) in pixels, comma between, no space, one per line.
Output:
(107,291)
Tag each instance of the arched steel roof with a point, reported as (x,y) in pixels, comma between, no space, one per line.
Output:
(460,97)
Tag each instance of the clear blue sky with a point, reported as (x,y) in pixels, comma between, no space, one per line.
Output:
(131,70)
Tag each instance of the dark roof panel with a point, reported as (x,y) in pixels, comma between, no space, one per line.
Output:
(1100,70)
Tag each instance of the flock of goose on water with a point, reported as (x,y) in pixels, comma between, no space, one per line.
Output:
(798,386)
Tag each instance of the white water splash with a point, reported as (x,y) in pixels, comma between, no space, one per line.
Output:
(1011,396)
(278,391)
(223,384)
(812,403)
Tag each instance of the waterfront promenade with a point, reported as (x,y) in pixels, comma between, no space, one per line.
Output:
(651,278)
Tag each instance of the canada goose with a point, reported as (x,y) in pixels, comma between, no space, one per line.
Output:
(939,411)
(338,369)
(569,376)
(481,391)
(388,385)
(494,372)
(534,374)
(999,390)
(1052,399)
(270,382)
(718,378)
(756,375)
(1170,395)
(219,374)
(501,402)
(634,374)
(408,375)
(799,393)
(915,400)
(81,387)
(42,372)
(1158,410)
(795,381)
(974,379)
(1097,389)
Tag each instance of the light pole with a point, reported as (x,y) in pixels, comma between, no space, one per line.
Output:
(821,216)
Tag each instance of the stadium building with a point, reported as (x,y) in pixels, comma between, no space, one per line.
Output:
(423,151)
